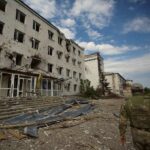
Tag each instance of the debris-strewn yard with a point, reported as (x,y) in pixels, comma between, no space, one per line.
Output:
(96,130)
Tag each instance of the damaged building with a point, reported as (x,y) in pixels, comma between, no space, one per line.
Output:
(94,69)
(35,56)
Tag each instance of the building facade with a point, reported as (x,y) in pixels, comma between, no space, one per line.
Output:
(116,83)
(33,50)
(94,69)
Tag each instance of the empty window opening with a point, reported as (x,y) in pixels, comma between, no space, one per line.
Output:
(3,5)
(68,87)
(18,59)
(79,63)
(74,74)
(60,40)
(36,26)
(80,75)
(18,36)
(50,50)
(1,27)
(59,54)
(50,35)
(74,61)
(50,67)
(79,53)
(68,45)
(20,16)
(74,50)
(35,62)
(67,72)
(60,70)
(67,58)
(35,43)
(75,87)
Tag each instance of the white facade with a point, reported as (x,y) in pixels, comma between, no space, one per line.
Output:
(116,82)
(30,46)
(94,69)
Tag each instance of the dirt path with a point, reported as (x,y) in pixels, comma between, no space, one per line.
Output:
(97,131)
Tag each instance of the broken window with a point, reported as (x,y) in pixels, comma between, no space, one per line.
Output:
(35,62)
(59,54)
(75,87)
(80,75)
(1,27)
(67,72)
(36,26)
(74,74)
(50,50)
(74,61)
(60,40)
(20,16)
(35,43)
(50,67)
(3,5)
(74,50)
(68,87)
(18,36)
(67,58)
(60,70)
(68,45)
(18,59)
(50,35)
(79,53)
(79,63)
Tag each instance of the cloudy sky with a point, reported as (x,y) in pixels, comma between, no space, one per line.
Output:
(118,29)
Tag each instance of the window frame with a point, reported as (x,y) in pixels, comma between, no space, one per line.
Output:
(36,26)
(4,3)
(50,50)
(16,36)
(50,67)
(18,16)
(1,23)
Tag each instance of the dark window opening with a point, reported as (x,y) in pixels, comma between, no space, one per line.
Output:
(50,67)
(35,43)
(68,87)
(1,27)
(75,87)
(67,72)
(18,59)
(36,26)
(50,50)
(59,54)
(35,63)
(67,58)
(18,36)
(79,53)
(74,61)
(60,40)
(50,35)
(60,70)
(74,74)
(20,16)
(74,50)
(3,5)
(80,75)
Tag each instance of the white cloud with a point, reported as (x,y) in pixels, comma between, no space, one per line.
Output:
(107,49)
(95,12)
(140,24)
(68,22)
(93,34)
(68,33)
(133,65)
(136,69)
(46,8)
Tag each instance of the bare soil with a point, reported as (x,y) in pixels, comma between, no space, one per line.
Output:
(95,131)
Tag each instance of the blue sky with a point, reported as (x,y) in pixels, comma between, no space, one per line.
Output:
(118,29)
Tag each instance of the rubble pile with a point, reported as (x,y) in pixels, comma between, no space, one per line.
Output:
(27,116)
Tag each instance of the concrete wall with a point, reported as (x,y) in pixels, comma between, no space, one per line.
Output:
(7,39)
(116,83)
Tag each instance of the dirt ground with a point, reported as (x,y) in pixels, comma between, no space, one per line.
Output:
(96,131)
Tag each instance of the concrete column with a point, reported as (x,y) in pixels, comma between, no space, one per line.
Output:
(52,90)
(12,85)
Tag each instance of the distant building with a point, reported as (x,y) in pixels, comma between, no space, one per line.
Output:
(31,46)
(116,83)
(94,69)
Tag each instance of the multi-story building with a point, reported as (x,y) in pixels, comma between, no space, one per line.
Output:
(94,69)
(116,83)
(31,50)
